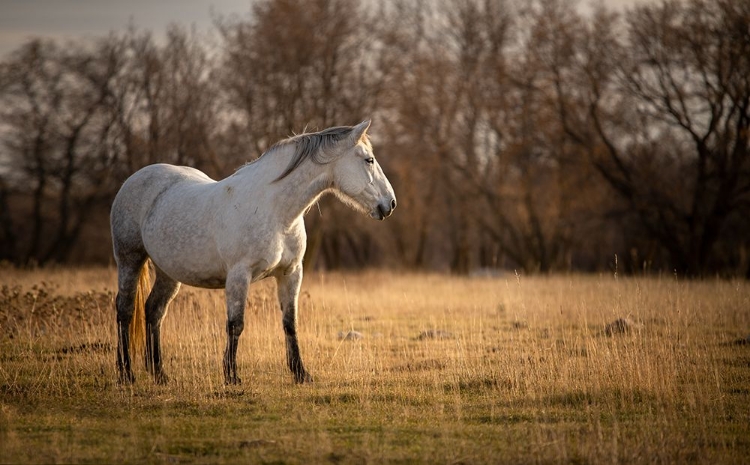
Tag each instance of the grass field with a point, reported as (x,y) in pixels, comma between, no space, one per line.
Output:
(507,370)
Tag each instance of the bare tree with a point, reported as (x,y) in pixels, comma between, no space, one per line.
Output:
(169,101)
(55,126)
(32,99)
(438,53)
(498,175)
(668,120)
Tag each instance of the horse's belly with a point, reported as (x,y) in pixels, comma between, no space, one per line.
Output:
(207,278)
(185,252)
(193,267)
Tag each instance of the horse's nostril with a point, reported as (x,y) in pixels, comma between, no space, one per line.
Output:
(393,204)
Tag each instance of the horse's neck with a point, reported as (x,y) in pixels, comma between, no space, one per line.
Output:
(295,193)
(302,188)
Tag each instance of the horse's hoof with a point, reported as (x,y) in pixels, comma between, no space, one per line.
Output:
(232,381)
(303,378)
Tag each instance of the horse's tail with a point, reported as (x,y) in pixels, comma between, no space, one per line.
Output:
(138,323)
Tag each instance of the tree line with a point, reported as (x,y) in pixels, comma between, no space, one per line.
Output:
(517,135)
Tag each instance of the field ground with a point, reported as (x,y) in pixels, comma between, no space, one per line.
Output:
(507,370)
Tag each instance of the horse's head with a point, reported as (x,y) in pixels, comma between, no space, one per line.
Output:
(357,177)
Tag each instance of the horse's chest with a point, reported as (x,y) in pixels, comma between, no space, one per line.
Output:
(284,251)
(291,248)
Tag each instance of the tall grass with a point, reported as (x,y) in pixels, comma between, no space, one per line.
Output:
(505,369)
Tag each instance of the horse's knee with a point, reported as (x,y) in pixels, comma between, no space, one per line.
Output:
(290,329)
(164,291)
(236,319)
(154,315)
(289,323)
(235,327)
(125,308)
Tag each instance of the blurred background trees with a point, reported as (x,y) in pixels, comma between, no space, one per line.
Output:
(525,136)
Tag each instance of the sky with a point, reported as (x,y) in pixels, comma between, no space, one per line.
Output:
(82,19)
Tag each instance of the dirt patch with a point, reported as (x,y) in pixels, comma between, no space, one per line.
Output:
(41,308)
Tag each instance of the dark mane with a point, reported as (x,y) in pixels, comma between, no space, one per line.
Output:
(312,145)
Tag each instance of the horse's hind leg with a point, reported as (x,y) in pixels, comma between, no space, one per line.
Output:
(128,272)
(288,291)
(164,290)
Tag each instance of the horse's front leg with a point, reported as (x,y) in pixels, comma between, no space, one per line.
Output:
(236,295)
(288,290)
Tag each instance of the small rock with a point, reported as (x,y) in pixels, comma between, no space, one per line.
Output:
(434,334)
(350,336)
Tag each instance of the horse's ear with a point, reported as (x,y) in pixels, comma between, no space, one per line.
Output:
(359,130)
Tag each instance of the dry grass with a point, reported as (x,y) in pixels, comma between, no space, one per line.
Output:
(521,371)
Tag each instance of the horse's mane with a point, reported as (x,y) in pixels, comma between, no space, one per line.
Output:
(312,145)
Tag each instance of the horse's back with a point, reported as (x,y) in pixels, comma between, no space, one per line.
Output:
(140,192)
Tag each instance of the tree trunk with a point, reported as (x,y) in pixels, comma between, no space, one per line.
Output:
(7,235)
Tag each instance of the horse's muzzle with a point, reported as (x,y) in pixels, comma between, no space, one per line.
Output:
(385,210)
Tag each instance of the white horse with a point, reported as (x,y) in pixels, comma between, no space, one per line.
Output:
(230,233)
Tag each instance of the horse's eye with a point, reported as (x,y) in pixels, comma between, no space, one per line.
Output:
(370,160)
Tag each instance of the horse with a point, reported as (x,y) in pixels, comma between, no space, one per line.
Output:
(230,233)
